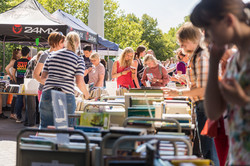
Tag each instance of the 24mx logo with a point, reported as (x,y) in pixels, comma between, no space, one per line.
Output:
(39,30)
(17,29)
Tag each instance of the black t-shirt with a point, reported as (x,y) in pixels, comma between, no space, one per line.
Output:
(21,67)
(140,69)
(88,64)
(87,61)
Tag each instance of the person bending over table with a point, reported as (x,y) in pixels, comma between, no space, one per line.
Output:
(125,69)
(60,70)
(155,73)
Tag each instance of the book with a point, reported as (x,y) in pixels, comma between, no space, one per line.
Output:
(97,119)
(35,146)
(129,131)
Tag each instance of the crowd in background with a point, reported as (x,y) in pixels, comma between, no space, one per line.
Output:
(212,63)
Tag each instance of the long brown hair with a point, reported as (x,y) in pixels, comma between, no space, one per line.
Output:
(122,60)
(207,10)
(139,50)
(14,53)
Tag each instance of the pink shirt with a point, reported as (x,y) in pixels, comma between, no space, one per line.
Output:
(156,74)
(95,74)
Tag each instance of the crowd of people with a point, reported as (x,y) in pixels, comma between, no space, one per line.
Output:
(212,62)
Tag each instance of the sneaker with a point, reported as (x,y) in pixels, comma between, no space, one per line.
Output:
(19,120)
(2,116)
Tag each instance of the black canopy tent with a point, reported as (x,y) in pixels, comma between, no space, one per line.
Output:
(29,21)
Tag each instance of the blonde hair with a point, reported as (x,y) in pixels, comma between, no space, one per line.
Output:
(122,60)
(95,56)
(189,32)
(150,57)
(72,40)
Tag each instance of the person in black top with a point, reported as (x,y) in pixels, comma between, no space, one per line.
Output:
(87,50)
(19,69)
(140,52)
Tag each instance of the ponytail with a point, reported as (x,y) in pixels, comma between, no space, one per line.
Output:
(72,40)
(136,55)
(139,49)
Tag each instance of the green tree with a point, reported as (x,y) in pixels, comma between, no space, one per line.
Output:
(77,8)
(121,28)
(4,5)
(171,40)
(154,36)
(125,29)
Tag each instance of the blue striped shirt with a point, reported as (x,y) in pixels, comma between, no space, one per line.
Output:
(62,67)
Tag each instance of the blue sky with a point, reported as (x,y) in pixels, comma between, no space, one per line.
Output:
(169,13)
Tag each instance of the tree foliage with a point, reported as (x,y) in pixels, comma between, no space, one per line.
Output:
(154,36)
(127,30)
(119,27)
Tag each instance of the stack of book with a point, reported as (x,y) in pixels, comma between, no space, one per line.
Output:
(12,88)
(2,86)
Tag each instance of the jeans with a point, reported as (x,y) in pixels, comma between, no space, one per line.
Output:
(13,104)
(207,144)
(19,106)
(30,113)
(46,108)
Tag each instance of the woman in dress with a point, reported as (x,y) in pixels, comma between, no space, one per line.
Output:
(228,22)
(125,70)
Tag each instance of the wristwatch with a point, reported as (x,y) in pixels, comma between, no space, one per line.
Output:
(180,93)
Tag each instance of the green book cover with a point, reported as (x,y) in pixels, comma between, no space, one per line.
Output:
(95,119)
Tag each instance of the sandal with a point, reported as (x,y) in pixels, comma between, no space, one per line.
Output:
(13,116)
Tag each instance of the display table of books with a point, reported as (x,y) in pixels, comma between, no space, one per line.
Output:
(29,88)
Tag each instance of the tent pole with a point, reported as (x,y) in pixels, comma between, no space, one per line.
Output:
(108,62)
(108,53)
(3,67)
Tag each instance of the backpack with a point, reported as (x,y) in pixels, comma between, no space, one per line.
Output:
(160,69)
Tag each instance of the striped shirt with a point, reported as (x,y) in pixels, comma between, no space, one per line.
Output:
(198,71)
(62,67)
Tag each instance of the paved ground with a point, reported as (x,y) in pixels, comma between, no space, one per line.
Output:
(7,153)
(8,132)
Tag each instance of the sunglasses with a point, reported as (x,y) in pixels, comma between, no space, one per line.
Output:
(16,49)
(60,33)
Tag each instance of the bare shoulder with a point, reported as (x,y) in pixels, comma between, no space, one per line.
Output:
(135,63)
